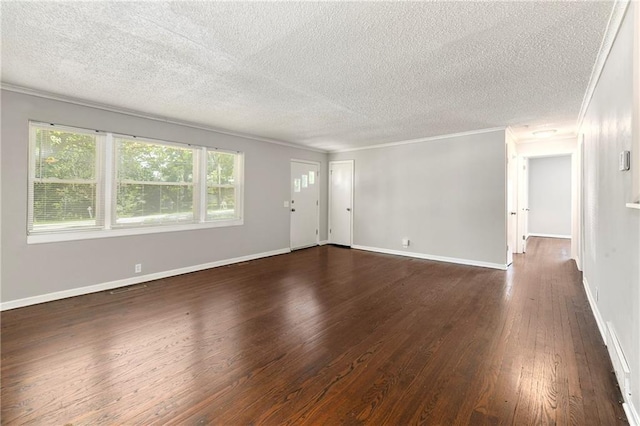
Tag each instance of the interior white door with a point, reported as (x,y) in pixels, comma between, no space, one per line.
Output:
(305,196)
(525,205)
(512,201)
(341,202)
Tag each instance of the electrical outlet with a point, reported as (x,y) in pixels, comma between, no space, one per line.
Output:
(138,268)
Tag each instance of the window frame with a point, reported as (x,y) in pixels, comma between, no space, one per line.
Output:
(106,197)
(238,176)
(32,180)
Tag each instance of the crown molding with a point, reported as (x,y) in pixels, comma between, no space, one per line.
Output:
(111,108)
(620,8)
(420,140)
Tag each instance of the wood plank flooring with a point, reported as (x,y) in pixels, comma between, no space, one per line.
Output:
(325,335)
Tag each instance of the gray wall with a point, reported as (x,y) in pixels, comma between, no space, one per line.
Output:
(446,195)
(37,269)
(550,195)
(612,231)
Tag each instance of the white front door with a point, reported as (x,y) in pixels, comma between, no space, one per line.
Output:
(341,202)
(305,196)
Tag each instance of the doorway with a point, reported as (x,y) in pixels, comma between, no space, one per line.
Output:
(305,204)
(546,197)
(341,178)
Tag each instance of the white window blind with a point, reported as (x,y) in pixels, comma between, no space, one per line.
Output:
(64,179)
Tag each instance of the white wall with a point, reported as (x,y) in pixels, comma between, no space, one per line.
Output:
(448,196)
(39,269)
(548,148)
(550,196)
(611,230)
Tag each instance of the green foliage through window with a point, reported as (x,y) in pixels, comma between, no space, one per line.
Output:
(64,186)
(153,183)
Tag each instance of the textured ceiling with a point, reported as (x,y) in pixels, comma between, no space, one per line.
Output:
(329,75)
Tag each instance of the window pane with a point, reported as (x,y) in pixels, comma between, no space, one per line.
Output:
(154,184)
(154,204)
(63,180)
(147,162)
(64,155)
(221,203)
(62,205)
(220,168)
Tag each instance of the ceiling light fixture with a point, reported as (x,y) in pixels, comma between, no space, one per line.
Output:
(544,133)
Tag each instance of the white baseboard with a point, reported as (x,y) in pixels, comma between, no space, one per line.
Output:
(432,257)
(323,242)
(532,234)
(632,413)
(629,409)
(12,304)
(595,310)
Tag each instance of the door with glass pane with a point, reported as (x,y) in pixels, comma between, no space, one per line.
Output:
(304,206)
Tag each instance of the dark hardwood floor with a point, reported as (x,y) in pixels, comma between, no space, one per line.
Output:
(325,335)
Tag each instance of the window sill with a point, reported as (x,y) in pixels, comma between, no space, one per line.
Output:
(90,235)
(633,206)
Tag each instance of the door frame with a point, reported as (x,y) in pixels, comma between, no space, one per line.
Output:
(512,197)
(522,204)
(353,184)
(576,182)
(318,164)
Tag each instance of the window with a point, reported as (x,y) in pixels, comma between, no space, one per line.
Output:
(154,183)
(108,185)
(64,180)
(221,185)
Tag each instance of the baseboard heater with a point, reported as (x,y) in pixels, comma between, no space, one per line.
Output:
(619,361)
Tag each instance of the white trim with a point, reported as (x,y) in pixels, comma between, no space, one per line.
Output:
(323,242)
(629,409)
(613,26)
(632,414)
(419,140)
(353,185)
(595,310)
(533,234)
(52,237)
(633,206)
(97,105)
(635,118)
(12,304)
(469,262)
(297,160)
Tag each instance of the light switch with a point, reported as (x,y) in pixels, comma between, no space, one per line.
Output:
(286,204)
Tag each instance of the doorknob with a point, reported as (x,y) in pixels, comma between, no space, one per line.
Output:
(348,209)
(293,210)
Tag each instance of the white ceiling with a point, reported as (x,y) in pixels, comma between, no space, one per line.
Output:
(329,75)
